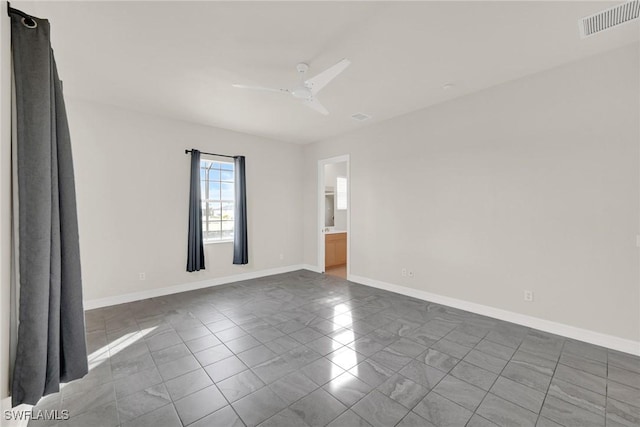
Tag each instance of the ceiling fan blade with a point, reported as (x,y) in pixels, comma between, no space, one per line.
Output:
(315,104)
(262,88)
(315,84)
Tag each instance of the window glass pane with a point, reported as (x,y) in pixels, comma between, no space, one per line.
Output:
(214,190)
(341,193)
(212,235)
(217,185)
(227,191)
(226,175)
(215,211)
(204,211)
(227,211)
(209,164)
(213,226)
(227,229)
(214,175)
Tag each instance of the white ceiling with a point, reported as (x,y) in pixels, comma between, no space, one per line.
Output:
(179,59)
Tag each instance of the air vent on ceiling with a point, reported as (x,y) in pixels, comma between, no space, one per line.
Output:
(609,18)
(361,117)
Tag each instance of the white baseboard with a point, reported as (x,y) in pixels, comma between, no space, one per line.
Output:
(310,267)
(158,292)
(597,338)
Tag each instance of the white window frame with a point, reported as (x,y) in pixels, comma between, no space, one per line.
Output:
(342,195)
(205,190)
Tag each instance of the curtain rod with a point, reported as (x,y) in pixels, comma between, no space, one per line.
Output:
(26,17)
(212,154)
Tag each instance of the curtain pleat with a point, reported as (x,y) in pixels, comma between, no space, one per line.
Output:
(240,240)
(51,346)
(195,246)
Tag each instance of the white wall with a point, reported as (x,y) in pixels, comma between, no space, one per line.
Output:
(331,172)
(5,195)
(533,184)
(132,180)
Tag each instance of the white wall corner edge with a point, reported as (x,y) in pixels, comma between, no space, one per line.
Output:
(185,287)
(310,267)
(597,338)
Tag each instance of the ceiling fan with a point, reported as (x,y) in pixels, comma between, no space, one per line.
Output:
(307,89)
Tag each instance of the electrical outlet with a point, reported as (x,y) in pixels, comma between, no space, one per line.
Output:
(404,272)
(142,276)
(528,296)
(410,274)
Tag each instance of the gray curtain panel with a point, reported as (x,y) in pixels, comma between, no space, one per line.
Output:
(240,241)
(51,345)
(195,246)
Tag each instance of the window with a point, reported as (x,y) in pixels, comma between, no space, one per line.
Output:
(341,193)
(218,196)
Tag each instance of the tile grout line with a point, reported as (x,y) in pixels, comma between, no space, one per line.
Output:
(214,383)
(544,400)
(448,372)
(498,377)
(319,304)
(163,382)
(606,390)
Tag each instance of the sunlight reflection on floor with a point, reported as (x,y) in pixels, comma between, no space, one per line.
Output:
(102,354)
(342,320)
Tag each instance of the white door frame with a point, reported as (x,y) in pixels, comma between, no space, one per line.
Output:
(320,227)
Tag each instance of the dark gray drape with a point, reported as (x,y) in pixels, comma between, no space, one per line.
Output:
(195,246)
(51,345)
(240,241)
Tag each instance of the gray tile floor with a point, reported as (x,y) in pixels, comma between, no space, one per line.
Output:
(302,349)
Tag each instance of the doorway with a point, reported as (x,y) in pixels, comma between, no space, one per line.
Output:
(334,197)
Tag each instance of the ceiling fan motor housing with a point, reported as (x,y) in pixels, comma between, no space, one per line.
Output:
(302,92)
(307,89)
